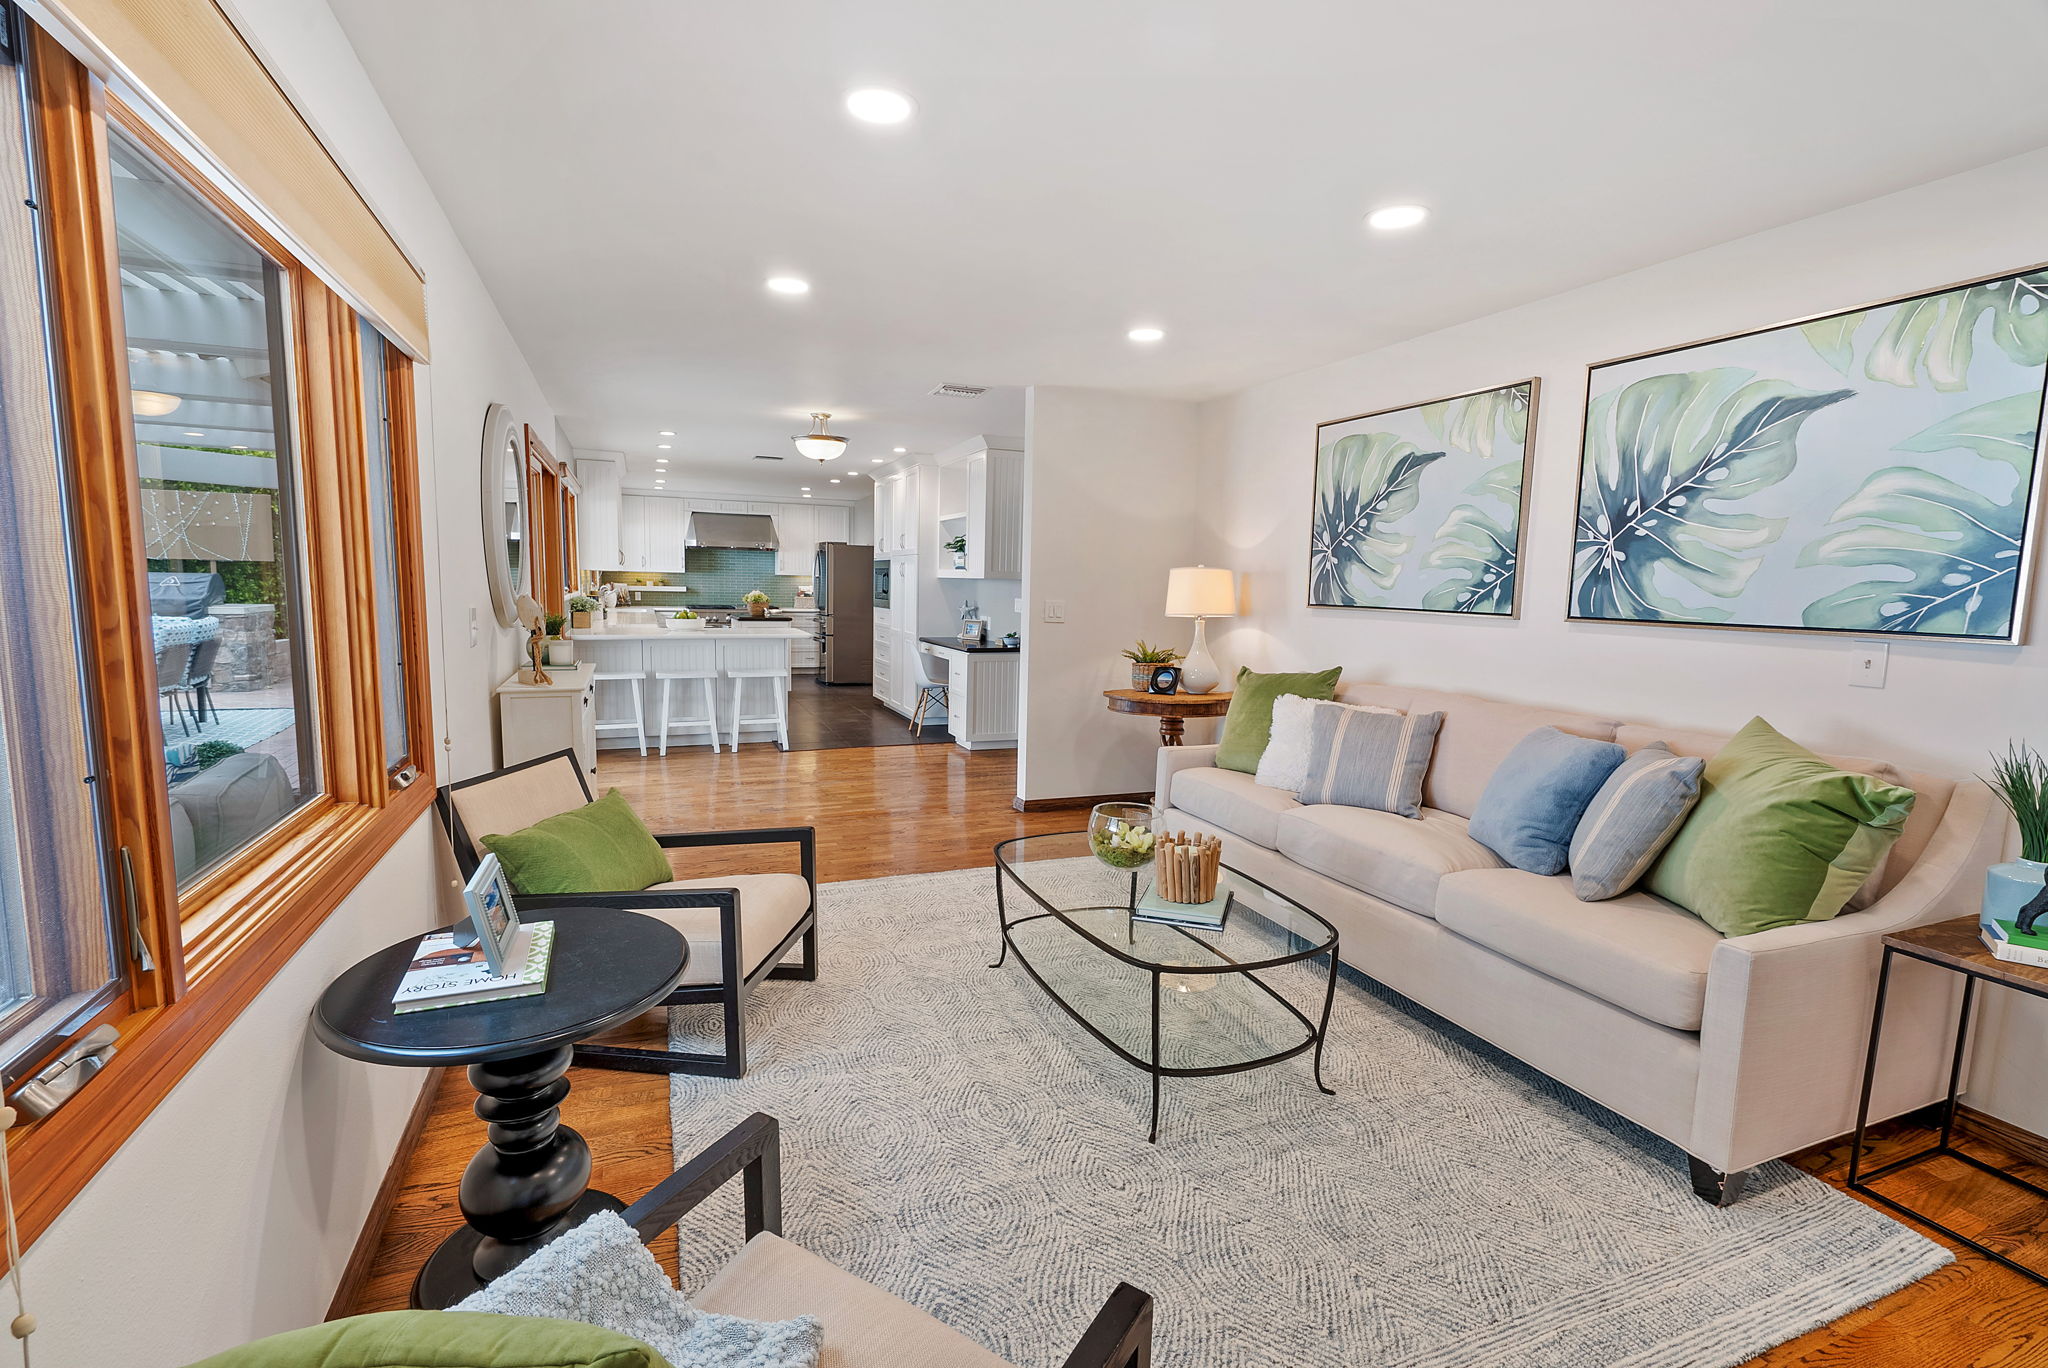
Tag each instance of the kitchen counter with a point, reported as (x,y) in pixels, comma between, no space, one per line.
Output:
(955,644)
(689,630)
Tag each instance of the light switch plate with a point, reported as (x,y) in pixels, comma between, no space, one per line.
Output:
(1867,665)
(1055,610)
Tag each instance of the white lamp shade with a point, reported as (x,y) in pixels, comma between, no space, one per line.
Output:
(1201,591)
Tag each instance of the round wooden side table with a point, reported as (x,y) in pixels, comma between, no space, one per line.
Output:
(531,1181)
(1172,710)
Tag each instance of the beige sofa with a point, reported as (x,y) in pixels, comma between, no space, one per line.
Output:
(1737,1049)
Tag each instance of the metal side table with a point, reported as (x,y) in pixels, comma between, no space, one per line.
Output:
(1951,945)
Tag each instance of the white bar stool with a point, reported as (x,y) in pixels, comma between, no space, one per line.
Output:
(619,724)
(743,660)
(687,663)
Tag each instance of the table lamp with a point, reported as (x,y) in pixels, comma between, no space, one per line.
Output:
(1200,592)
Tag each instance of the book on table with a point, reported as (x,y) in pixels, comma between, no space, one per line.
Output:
(445,974)
(1202,916)
(2009,943)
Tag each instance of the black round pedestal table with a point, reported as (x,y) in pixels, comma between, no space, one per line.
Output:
(531,1181)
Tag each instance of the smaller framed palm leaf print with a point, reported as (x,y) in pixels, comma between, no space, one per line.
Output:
(1420,508)
(1874,471)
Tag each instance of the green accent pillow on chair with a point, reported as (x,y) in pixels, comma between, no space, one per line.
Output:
(603,847)
(1779,837)
(442,1339)
(1248,726)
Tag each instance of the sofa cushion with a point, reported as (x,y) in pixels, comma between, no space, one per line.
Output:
(1248,724)
(771,1279)
(1396,859)
(1779,837)
(1636,951)
(1236,802)
(1369,758)
(1631,819)
(770,907)
(1477,735)
(1532,804)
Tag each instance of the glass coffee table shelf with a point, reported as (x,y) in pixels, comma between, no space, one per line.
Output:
(1173,1001)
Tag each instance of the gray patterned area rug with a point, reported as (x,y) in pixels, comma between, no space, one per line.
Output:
(951,1135)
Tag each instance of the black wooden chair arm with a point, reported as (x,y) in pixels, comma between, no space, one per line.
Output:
(643,901)
(805,839)
(1120,1336)
(752,1149)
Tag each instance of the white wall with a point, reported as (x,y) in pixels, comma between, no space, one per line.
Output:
(230,1213)
(1945,704)
(1111,493)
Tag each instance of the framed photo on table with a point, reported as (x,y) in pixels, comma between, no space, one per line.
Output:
(493,916)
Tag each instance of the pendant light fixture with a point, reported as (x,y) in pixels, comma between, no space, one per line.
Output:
(819,444)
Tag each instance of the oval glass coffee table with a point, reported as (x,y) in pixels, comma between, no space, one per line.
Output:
(1173,1001)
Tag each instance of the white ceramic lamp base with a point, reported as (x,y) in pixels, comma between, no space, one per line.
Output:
(1198,673)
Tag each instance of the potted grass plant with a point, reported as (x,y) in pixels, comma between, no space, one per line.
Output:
(2020,779)
(560,650)
(581,606)
(1143,657)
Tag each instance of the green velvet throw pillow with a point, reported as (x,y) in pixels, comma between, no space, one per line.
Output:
(603,847)
(442,1339)
(1249,723)
(1779,836)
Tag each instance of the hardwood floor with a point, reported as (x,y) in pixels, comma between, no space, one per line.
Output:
(914,809)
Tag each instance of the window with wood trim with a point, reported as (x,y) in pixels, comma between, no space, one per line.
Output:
(248,447)
(547,533)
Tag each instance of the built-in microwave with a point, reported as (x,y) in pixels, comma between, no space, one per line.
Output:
(881,583)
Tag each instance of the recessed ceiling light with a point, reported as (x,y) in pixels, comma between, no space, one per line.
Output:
(835,479)
(1145,334)
(805,488)
(878,106)
(898,450)
(663,446)
(661,481)
(790,285)
(664,433)
(195,434)
(874,460)
(807,496)
(1397,216)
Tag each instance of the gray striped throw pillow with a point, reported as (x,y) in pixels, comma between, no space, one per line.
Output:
(1631,819)
(1367,759)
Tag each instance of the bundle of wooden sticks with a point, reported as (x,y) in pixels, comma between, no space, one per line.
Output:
(1186,866)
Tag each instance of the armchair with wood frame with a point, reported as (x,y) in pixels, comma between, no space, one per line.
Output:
(773,1279)
(739,927)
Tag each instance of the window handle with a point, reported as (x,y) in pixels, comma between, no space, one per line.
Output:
(59,1081)
(137,944)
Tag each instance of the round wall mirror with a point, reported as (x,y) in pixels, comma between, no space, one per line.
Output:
(504,500)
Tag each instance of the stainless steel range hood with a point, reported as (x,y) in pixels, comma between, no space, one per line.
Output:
(747,531)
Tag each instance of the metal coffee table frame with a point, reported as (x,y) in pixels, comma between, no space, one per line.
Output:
(1315,1032)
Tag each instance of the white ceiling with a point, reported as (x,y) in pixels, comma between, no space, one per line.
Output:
(627,173)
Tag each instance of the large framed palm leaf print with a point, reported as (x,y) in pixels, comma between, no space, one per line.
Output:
(1875,471)
(1420,508)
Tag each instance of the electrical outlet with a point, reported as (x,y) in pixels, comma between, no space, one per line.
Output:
(1055,610)
(1867,665)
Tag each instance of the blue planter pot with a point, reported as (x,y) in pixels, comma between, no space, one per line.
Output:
(2010,886)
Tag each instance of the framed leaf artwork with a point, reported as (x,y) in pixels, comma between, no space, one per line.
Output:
(1875,471)
(1420,508)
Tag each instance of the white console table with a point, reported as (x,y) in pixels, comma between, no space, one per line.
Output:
(540,719)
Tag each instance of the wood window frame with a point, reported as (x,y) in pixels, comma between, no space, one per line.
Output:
(547,555)
(208,952)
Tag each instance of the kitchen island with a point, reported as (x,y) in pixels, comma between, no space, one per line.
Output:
(637,652)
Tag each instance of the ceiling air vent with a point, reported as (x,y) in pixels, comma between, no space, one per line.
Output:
(959,391)
(767,458)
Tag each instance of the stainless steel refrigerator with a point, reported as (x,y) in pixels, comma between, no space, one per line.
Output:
(845,587)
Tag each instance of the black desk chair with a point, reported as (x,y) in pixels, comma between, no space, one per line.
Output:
(739,926)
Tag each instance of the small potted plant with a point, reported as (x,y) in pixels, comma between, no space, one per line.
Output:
(560,650)
(2020,779)
(1143,658)
(958,546)
(581,606)
(756,601)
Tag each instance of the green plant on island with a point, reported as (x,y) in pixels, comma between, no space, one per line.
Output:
(1125,847)
(2020,779)
(754,596)
(1146,654)
(582,603)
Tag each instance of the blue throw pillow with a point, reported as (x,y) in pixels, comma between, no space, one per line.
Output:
(1631,819)
(1532,804)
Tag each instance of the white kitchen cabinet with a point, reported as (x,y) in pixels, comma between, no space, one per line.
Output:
(597,516)
(636,531)
(796,537)
(982,501)
(668,531)
(833,523)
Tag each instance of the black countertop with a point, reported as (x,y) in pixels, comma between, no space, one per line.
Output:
(955,644)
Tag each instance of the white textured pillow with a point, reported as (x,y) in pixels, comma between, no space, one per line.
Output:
(1285,763)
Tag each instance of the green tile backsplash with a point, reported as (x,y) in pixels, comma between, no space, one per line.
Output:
(717,574)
